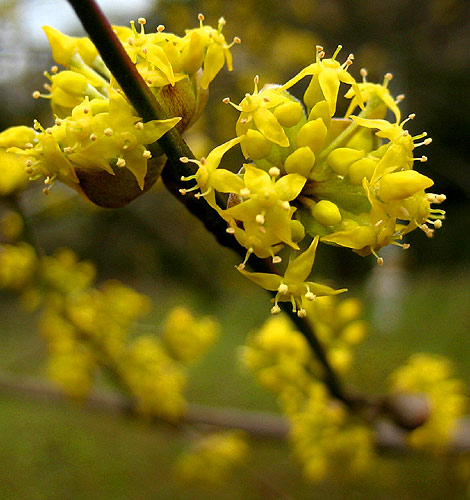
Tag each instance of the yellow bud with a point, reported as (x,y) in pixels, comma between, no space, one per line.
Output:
(340,159)
(326,213)
(320,110)
(312,134)
(256,146)
(87,50)
(360,169)
(63,47)
(300,162)
(288,114)
(70,81)
(400,185)
(354,332)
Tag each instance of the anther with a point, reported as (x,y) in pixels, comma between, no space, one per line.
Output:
(230,230)
(147,154)
(58,122)
(93,137)
(121,162)
(49,130)
(275,309)
(68,150)
(28,145)
(438,224)
(200,17)
(256,79)
(285,206)
(160,28)
(399,98)
(244,192)
(54,69)
(283,288)
(380,261)
(377,224)
(184,159)
(222,21)
(237,40)
(363,72)
(274,172)
(226,100)
(36,94)
(183,191)
(310,296)
(302,313)
(139,126)
(243,120)
(108,132)
(86,111)
(46,191)
(28,163)
(142,20)
(260,219)
(277,259)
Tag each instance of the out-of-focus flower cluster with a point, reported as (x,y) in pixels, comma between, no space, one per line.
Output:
(432,378)
(323,434)
(346,181)
(212,458)
(98,144)
(90,328)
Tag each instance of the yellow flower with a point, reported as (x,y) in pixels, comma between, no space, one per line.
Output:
(268,202)
(327,74)
(293,286)
(206,44)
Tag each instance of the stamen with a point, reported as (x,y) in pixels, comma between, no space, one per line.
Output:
(184,159)
(139,126)
(201,19)
(160,28)
(121,162)
(336,52)
(237,40)
(147,154)
(380,260)
(229,230)
(108,132)
(54,69)
(400,98)
(36,94)
(363,72)
(277,259)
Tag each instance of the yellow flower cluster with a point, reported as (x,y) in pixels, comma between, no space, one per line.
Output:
(432,377)
(17,266)
(348,181)
(97,133)
(325,438)
(339,326)
(212,458)
(186,337)
(88,328)
(323,434)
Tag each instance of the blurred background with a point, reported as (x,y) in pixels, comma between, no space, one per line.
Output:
(418,301)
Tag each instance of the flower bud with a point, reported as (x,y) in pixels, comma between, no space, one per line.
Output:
(340,159)
(360,169)
(256,146)
(326,213)
(289,113)
(301,162)
(312,134)
(399,185)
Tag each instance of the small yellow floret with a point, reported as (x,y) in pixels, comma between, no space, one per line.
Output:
(401,185)
(312,134)
(301,162)
(340,159)
(326,213)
